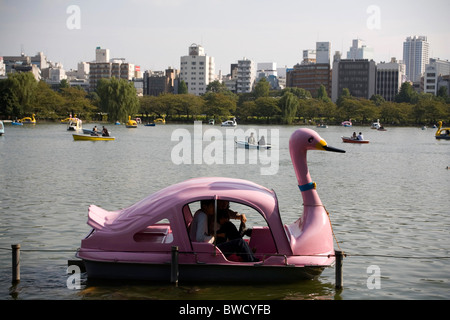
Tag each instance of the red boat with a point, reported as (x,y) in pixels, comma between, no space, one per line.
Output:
(352,140)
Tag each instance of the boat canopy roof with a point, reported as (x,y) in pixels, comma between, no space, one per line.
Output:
(165,202)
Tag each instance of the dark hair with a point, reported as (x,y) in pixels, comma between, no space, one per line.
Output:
(223,213)
(206,202)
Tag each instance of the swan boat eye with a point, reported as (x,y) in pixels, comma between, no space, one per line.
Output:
(310,140)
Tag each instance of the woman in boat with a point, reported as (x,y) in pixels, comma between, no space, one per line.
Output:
(354,137)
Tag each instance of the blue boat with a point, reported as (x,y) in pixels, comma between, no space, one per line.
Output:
(2,128)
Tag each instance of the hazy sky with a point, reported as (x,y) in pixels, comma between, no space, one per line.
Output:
(155,33)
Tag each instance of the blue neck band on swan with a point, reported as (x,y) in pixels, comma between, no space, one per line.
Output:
(308,186)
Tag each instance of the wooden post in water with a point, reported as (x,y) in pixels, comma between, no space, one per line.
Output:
(15,262)
(339,278)
(174,266)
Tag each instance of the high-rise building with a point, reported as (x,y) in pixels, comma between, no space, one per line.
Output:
(358,76)
(415,57)
(246,76)
(390,77)
(197,69)
(310,77)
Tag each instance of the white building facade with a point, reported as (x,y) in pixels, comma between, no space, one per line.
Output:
(359,51)
(323,52)
(246,76)
(415,57)
(433,71)
(197,70)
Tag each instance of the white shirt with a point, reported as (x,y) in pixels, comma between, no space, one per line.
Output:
(199,228)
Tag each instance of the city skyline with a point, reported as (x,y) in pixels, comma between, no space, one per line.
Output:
(155,34)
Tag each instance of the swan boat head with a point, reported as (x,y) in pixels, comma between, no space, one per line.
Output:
(311,233)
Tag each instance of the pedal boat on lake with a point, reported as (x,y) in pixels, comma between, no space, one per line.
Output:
(352,140)
(246,145)
(85,137)
(137,242)
(131,123)
(442,133)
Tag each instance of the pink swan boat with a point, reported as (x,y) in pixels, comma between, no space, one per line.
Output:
(137,242)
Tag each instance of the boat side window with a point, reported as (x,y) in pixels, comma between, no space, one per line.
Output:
(159,232)
(258,234)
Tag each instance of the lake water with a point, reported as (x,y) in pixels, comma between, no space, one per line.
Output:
(389,203)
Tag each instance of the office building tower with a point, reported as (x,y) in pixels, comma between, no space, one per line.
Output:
(390,77)
(197,69)
(356,75)
(246,76)
(415,57)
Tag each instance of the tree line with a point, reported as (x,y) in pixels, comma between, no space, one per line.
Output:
(115,99)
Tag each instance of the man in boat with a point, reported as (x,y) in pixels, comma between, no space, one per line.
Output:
(251,139)
(105,132)
(94,131)
(360,136)
(199,233)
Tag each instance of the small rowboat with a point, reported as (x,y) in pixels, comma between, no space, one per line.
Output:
(84,137)
(351,140)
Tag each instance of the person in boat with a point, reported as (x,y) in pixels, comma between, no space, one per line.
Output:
(360,136)
(354,137)
(262,141)
(227,230)
(199,233)
(251,139)
(105,132)
(94,131)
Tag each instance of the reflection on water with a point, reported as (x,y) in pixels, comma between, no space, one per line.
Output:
(388,202)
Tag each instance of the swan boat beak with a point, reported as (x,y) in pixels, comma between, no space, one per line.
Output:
(322,145)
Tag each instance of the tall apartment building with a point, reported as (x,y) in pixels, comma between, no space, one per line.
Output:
(435,69)
(197,69)
(246,76)
(415,57)
(105,68)
(356,75)
(390,77)
(310,77)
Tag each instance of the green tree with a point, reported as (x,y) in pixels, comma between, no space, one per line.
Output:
(77,103)
(216,86)
(267,107)
(23,86)
(118,98)
(288,105)
(182,87)
(406,94)
(322,94)
(48,103)
(262,88)
(219,105)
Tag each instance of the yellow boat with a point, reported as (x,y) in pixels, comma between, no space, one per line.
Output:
(85,137)
(30,120)
(442,133)
(131,123)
